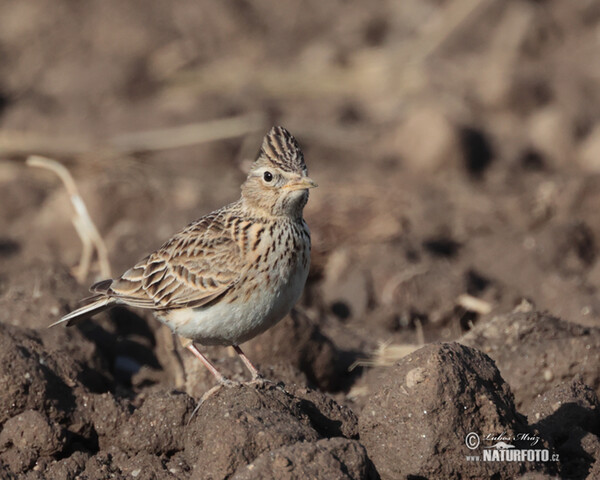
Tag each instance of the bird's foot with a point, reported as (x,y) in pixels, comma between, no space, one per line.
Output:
(224,382)
(260,381)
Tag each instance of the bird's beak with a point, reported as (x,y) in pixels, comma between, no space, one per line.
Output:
(301,183)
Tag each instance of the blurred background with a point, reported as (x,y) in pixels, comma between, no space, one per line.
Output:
(456,144)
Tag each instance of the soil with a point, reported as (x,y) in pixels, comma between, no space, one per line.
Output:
(455,276)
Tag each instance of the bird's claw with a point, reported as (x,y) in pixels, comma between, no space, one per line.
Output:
(261,381)
(225,382)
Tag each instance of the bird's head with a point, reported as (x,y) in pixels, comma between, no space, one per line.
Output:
(278,181)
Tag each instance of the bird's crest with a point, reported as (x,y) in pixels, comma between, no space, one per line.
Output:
(280,148)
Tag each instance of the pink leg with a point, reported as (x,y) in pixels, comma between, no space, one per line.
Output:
(248,363)
(220,378)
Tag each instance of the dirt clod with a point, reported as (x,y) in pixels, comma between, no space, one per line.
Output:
(336,459)
(535,352)
(568,415)
(409,420)
(301,342)
(158,426)
(236,424)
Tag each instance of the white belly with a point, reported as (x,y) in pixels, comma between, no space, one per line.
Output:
(234,323)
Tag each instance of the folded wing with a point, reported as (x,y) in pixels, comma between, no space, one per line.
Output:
(195,267)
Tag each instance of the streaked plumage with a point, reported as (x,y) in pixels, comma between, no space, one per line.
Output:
(233,273)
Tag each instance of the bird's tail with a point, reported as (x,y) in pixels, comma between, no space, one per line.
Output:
(99,303)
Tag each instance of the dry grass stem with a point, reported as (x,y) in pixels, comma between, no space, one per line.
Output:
(15,143)
(87,231)
(191,134)
(474,304)
(387,354)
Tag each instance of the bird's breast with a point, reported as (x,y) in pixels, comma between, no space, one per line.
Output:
(278,262)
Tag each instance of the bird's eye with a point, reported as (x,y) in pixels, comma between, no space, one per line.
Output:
(268,176)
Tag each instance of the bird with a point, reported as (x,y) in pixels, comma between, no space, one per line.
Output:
(232,274)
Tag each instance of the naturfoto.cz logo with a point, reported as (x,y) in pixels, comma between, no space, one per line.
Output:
(502,451)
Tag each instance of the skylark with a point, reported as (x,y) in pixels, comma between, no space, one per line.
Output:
(235,272)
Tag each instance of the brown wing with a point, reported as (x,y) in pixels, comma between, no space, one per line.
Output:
(194,267)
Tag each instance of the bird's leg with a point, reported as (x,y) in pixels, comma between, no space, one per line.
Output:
(255,375)
(218,375)
(257,378)
(223,382)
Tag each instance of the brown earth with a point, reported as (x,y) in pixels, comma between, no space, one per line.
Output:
(457,149)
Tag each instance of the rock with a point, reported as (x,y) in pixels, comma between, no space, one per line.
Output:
(236,424)
(26,437)
(426,408)
(336,459)
(54,291)
(106,415)
(569,416)
(568,405)
(31,430)
(110,463)
(299,341)
(327,417)
(31,379)
(158,426)
(536,352)
(69,467)
(114,463)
